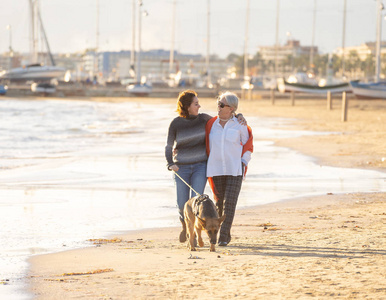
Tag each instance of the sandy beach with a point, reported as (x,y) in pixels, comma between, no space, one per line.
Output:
(328,246)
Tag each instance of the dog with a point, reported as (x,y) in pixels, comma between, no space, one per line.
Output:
(200,213)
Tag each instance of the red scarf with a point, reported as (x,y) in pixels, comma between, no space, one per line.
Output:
(247,147)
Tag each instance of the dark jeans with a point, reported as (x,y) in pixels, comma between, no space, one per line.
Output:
(195,176)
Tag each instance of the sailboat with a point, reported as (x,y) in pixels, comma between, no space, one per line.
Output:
(139,89)
(376,89)
(36,72)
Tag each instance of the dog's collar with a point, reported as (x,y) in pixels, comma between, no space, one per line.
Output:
(197,203)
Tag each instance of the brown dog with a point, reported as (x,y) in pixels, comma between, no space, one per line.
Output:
(201,213)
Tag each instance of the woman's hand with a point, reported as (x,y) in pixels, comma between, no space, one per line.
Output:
(175,151)
(174,168)
(241,119)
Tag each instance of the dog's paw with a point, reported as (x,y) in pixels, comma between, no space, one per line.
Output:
(201,243)
(212,248)
(192,249)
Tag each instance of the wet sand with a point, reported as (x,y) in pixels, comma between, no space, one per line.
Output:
(328,246)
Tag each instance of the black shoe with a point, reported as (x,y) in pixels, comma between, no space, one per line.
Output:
(222,244)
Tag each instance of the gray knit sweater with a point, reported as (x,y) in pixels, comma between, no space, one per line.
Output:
(187,136)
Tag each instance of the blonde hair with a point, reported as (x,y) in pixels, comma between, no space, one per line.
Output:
(231,99)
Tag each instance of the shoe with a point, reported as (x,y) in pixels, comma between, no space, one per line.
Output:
(183,231)
(183,236)
(222,244)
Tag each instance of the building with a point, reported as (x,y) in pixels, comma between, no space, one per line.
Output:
(282,53)
(8,61)
(363,51)
(113,66)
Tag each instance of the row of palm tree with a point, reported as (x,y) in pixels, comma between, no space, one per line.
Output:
(354,67)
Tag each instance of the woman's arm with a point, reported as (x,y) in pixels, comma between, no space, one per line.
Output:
(169,146)
(246,157)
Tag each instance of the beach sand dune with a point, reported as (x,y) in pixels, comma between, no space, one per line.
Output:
(326,247)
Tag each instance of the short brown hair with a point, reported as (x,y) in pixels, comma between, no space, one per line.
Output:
(185,99)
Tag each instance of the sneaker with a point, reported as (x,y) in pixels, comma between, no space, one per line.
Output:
(222,244)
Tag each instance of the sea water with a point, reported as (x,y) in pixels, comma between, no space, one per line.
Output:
(72,170)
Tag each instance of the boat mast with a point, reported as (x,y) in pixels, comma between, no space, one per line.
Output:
(139,42)
(344,34)
(313,38)
(45,38)
(171,57)
(9,28)
(378,43)
(132,53)
(246,42)
(34,28)
(96,63)
(277,35)
(208,43)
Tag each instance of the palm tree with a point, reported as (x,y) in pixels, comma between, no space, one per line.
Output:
(320,62)
(353,62)
(368,65)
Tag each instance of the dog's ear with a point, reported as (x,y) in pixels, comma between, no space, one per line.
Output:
(201,221)
(221,219)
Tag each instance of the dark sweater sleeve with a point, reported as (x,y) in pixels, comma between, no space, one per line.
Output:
(206,117)
(169,144)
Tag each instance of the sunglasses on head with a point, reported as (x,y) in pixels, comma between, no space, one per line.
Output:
(221,104)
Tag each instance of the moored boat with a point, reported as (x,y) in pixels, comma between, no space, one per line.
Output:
(285,86)
(33,72)
(3,89)
(139,90)
(376,90)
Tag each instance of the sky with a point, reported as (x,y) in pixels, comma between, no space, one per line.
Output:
(71,24)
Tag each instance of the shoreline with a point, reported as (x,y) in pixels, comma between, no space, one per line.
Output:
(164,255)
(365,127)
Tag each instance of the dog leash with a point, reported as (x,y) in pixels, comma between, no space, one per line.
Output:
(198,194)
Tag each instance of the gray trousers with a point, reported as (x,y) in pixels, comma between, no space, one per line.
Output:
(227,193)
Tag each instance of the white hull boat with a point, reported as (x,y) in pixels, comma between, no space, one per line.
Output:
(33,72)
(284,86)
(139,90)
(369,90)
